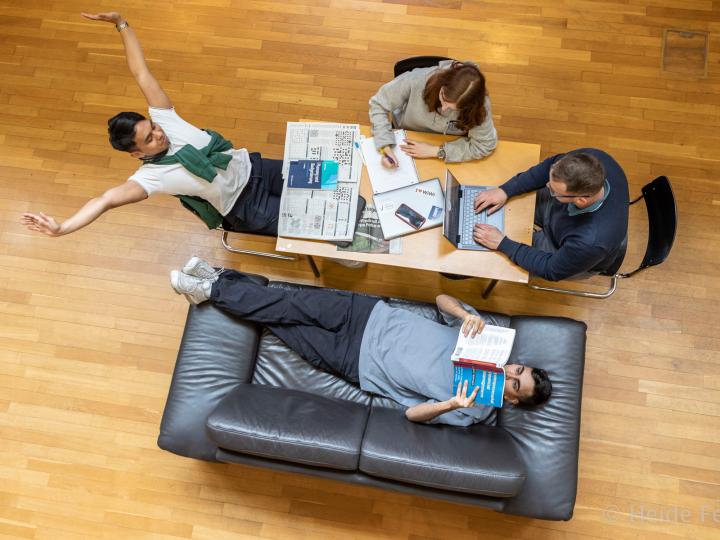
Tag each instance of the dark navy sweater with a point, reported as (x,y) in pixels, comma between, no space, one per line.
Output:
(586,242)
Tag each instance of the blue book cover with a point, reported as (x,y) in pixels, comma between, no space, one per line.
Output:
(313,174)
(491,381)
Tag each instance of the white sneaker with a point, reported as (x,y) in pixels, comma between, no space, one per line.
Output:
(200,268)
(195,289)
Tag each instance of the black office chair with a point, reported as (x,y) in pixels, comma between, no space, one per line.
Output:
(417,62)
(662,227)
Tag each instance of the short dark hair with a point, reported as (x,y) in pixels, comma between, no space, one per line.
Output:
(581,173)
(121,130)
(541,392)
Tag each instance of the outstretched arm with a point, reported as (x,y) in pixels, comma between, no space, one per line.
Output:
(127,193)
(154,94)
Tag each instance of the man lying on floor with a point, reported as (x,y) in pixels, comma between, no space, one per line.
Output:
(387,351)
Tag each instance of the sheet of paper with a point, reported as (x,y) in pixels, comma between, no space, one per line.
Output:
(327,214)
(492,345)
(382,178)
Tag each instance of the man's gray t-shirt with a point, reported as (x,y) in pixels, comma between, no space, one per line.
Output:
(406,357)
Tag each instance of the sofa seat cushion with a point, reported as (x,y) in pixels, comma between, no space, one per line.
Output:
(479,459)
(289,425)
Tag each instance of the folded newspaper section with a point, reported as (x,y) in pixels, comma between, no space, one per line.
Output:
(321,214)
(480,361)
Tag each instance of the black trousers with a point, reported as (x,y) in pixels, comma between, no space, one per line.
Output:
(258,206)
(324,327)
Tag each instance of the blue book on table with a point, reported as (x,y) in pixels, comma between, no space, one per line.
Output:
(313,174)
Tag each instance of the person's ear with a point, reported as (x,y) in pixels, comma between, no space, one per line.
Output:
(514,401)
(137,154)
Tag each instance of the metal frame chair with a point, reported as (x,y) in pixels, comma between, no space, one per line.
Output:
(224,239)
(662,227)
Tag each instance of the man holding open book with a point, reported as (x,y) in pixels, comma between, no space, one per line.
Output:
(385,350)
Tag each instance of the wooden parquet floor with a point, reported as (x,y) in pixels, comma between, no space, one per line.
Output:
(89,327)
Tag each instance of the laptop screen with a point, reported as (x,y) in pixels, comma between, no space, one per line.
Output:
(452,198)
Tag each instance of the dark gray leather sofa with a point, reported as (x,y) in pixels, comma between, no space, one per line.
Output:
(239,395)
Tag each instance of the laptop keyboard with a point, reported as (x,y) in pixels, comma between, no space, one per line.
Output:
(470,218)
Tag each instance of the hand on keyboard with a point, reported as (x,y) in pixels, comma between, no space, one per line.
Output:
(488,236)
(490,200)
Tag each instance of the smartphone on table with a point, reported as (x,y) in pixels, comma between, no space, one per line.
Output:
(410,216)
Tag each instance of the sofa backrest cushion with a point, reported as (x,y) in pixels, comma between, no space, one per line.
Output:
(277,365)
(290,425)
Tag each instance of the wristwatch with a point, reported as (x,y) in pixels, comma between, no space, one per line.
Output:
(441,153)
(122,26)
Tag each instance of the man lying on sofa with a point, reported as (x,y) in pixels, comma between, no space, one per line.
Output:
(387,351)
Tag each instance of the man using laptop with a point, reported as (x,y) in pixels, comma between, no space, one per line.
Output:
(581,216)
(388,351)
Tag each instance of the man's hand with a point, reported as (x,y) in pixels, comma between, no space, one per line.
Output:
(419,149)
(41,223)
(110,16)
(472,325)
(488,236)
(490,199)
(461,399)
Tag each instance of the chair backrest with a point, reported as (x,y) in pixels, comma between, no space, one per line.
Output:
(417,62)
(662,221)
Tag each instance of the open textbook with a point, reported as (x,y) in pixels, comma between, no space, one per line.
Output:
(481,360)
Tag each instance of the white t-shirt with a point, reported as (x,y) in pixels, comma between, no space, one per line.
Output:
(175,179)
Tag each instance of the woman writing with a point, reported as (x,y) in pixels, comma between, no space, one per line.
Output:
(449,98)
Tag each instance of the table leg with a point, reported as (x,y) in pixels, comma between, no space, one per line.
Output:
(313,266)
(489,288)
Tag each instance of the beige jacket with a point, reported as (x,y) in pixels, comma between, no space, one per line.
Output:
(403,98)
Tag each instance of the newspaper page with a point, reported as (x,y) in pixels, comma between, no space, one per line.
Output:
(369,236)
(321,214)
(492,345)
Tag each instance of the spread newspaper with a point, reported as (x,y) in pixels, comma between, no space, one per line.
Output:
(321,214)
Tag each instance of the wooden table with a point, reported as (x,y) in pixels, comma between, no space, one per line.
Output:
(429,249)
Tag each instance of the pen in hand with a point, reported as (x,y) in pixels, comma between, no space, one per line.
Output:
(388,157)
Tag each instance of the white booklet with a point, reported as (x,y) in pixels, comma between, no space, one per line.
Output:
(382,178)
(491,346)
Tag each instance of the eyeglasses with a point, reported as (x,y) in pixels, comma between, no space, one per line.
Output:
(557,196)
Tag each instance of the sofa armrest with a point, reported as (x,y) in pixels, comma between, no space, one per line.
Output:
(289,425)
(480,460)
(217,352)
(547,438)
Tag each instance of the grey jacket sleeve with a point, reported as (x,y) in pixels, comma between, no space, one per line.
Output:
(480,141)
(391,96)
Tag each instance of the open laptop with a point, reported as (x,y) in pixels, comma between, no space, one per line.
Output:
(460,216)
